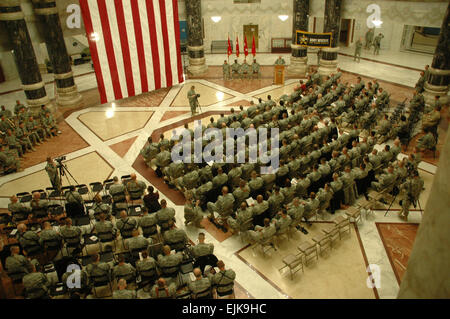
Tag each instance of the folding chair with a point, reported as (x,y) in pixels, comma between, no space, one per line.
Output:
(333,233)
(323,241)
(24,197)
(82,189)
(134,210)
(101,281)
(343,224)
(309,251)
(294,263)
(96,187)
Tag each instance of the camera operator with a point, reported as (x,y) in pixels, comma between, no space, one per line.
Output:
(53,174)
(410,192)
(193,99)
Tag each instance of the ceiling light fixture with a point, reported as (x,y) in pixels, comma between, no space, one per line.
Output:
(216,19)
(283,17)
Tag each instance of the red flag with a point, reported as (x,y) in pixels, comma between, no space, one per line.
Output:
(253,47)
(245,47)
(230,50)
(237,47)
(131,55)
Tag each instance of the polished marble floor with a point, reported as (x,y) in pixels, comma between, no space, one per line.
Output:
(110,139)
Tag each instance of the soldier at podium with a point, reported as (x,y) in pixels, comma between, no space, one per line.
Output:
(280,61)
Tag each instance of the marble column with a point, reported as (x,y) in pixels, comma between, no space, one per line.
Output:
(197,61)
(428,272)
(12,20)
(299,58)
(332,23)
(67,93)
(439,78)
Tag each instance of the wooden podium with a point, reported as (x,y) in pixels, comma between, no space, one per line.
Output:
(278,75)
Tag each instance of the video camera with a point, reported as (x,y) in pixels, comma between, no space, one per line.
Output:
(59,161)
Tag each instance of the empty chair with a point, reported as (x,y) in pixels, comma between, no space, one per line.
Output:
(323,241)
(309,250)
(82,189)
(24,197)
(107,183)
(355,213)
(333,233)
(343,224)
(294,263)
(96,187)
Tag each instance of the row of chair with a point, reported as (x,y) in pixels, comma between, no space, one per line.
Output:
(309,251)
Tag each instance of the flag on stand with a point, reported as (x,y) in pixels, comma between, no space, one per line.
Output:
(237,47)
(230,50)
(245,47)
(253,47)
(134,44)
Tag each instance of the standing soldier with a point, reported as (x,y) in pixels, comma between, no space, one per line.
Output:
(52,172)
(411,191)
(421,83)
(369,38)
(226,70)
(193,99)
(280,61)
(377,43)
(358,47)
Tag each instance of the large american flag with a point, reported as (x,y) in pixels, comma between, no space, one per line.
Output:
(135,45)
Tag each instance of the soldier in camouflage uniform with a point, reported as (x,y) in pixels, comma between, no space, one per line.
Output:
(200,288)
(124,270)
(53,174)
(226,70)
(36,284)
(243,214)
(410,191)
(175,238)
(169,263)
(193,212)
(223,206)
(9,160)
(135,188)
(223,281)
(164,215)
(122,292)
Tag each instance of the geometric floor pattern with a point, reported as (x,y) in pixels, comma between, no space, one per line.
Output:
(398,240)
(339,273)
(116,135)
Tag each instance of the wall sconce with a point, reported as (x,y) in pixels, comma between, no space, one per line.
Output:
(283,17)
(377,23)
(216,19)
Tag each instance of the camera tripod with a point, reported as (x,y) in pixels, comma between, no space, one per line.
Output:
(64,171)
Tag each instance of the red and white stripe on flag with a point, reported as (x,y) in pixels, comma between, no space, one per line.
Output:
(135,45)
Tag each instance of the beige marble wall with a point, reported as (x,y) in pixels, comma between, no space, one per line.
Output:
(428,271)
